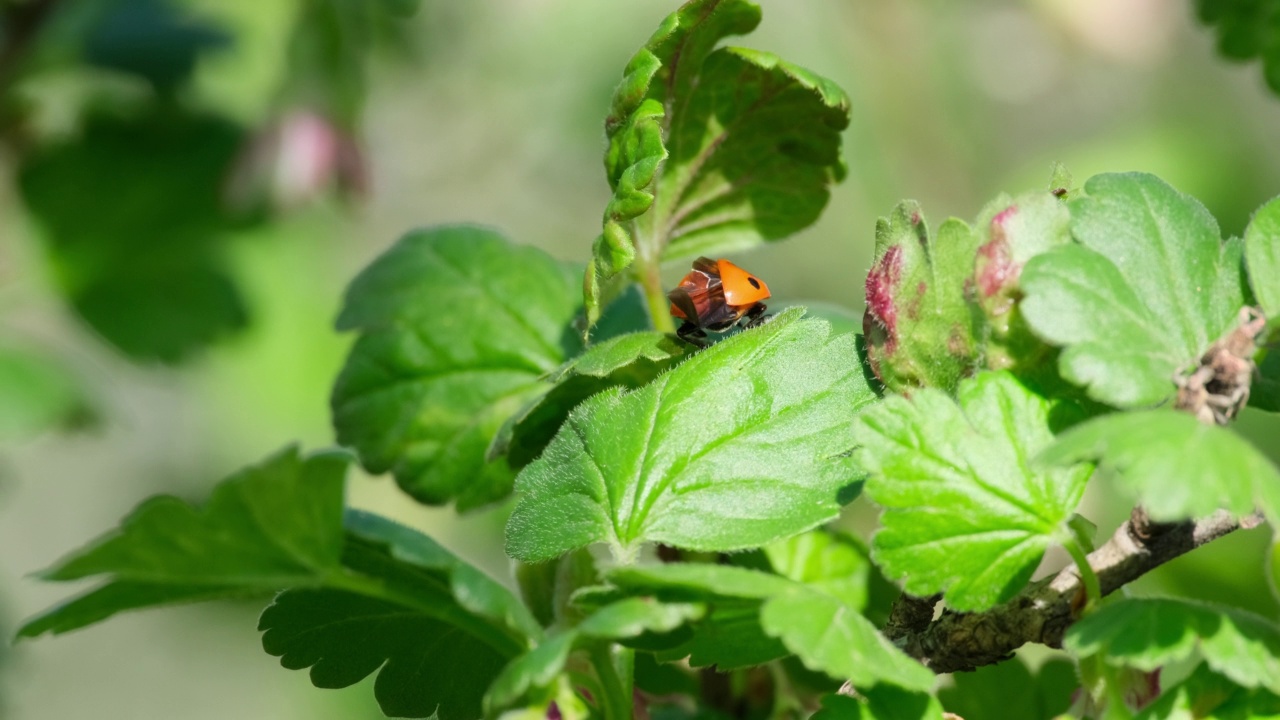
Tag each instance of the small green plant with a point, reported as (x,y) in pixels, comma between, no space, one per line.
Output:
(670,526)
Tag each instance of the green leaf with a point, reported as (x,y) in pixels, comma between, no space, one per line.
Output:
(458,327)
(730,636)
(627,618)
(1150,286)
(880,703)
(750,165)
(425,667)
(828,635)
(834,638)
(656,81)
(920,329)
(1010,690)
(139,253)
(1262,258)
(1014,231)
(386,550)
(1246,29)
(437,631)
(154,39)
(1265,392)
(745,443)
(1148,633)
(1174,465)
(629,361)
(832,561)
(703,171)
(271,526)
(38,393)
(965,511)
(1205,695)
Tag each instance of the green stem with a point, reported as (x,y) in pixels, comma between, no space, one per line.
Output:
(659,306)
(616,688)
(1092,588)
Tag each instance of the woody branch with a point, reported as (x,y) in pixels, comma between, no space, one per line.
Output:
(1045,609)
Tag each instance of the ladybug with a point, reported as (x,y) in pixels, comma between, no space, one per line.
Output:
(716,296)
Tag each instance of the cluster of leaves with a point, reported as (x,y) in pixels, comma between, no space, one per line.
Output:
(1247,29)
(670,508)
(137,207)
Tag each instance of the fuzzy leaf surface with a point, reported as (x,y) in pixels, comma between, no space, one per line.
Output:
(753,148)
(629,361)
(965,511)
(712,149)
(919,327)
(457,328)
(274,525)
(1262,258)
(1150,285)
(655,86)
(764,453)
(1175,466)
(1147,633)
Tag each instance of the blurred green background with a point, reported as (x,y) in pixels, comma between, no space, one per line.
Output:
(486,112)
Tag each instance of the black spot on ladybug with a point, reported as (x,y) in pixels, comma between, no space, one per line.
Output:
(754,282)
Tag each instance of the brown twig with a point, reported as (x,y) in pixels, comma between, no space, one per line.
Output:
(1044,610)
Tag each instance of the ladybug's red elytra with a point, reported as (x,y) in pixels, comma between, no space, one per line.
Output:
(716,296)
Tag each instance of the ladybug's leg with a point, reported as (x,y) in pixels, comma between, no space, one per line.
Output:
(755,316)
(692,334)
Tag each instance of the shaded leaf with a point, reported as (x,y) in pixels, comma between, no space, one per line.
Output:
(139,254)
(702,170)
(1175,466)
(1148,633)
(271,526)
(627,618)
(880,703)
(1009,689)
(1205,695)
(458,327)
(425,666)
(965,512)
(745,443)
(437,631)
(1150,286)
(656,82)
(1246,29)
(154,39)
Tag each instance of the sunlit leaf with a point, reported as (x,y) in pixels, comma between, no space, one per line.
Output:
(745,443)
(457,329)
(1149,286)
(965,511)
(1176,466)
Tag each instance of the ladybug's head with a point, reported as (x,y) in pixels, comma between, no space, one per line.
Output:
(740,286)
